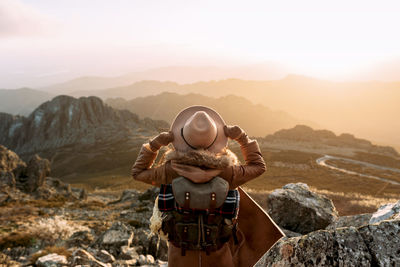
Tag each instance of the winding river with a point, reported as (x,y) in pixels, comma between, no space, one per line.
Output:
(322,162)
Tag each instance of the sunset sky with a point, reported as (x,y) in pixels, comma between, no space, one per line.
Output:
(45,41)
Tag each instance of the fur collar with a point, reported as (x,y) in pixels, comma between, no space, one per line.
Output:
(203,158)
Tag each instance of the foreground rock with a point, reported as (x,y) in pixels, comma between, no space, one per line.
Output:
(19,180)
(370,245)
(386,212)
(357,220)
(118,235)
(51,260)
(296,208)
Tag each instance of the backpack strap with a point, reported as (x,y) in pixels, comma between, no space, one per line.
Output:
(186,205)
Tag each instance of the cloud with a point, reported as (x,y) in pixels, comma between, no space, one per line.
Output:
(20,20)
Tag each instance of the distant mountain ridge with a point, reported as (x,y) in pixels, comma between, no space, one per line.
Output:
(257,120)
(176,74)
(78,133)
(69,121)
(304,134)
(367,109)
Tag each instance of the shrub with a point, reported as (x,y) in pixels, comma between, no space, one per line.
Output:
(17,239)
(54,228)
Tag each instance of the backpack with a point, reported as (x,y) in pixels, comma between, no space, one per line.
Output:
(198,216)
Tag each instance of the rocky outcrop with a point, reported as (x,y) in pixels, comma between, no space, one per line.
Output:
(66,121)
(386,212)
(115,237)
(17,178)
(296,208)
(79,136)
(370,245)
(51,260)
(352,220)
(36,172)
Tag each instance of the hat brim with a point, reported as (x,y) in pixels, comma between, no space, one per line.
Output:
(180,120)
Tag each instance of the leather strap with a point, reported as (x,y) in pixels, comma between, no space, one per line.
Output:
(185,235)
(186,205)
(213,201)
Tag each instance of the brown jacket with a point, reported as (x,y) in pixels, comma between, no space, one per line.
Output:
(256,230)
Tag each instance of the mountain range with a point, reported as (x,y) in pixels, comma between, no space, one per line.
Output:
(177,74)
(257,120)
(86,138)
(366,109)
(78,135)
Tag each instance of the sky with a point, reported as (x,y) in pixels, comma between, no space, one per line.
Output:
(47,41)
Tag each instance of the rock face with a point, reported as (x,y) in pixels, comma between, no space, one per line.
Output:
(370,245)
(353,220)
(386,212)
(115,237)
(36,172)
(17,177)
(80,136)
(69,121)
(296,208)
(51,260)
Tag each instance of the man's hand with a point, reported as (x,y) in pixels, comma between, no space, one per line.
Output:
(163,139)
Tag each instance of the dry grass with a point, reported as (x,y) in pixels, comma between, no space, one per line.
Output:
(110,183)
(17,239)
(52,229)
(387,174)
(88,205)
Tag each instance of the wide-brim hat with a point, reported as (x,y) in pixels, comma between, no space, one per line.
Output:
(199,127)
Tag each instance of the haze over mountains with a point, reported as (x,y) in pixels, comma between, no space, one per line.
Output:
(22,101)
(258,120)
(182,75)
(366,109)
(86,137)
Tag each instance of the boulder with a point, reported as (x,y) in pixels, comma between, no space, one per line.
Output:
(386,212)
(383,241)
(296,208)
(36,172)
(148,259)
(51,260)
(352,220)
(119,234)
(82,257)
(150,194)
(369,245)
(105,256)
(7,179)
(80,239)
(128,253)
(9,160)
(128,195)
(10,167)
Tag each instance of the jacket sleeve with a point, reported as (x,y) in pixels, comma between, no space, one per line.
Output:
(254,166)
(142,171)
